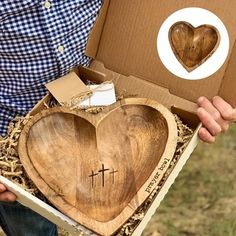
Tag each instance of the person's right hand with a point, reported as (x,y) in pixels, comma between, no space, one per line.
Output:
(5,195)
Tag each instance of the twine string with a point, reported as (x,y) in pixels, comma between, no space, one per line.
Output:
(78,98)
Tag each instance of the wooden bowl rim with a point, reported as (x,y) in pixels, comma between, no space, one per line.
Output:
(190,69)
(103,228)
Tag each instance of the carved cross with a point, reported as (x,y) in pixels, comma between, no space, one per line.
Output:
(92,176)
(103,170)
(113,173)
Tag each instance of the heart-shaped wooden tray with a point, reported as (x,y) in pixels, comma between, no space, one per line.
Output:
(98,169)
(193,46)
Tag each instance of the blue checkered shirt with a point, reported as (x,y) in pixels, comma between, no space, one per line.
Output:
(40,40)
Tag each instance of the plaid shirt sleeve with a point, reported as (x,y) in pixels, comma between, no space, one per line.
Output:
(40,40)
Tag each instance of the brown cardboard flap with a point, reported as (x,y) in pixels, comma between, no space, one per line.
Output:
(91,75)
(228,89)
(129,37)
(95,35)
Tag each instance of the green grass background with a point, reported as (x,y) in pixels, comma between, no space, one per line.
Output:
(202,201)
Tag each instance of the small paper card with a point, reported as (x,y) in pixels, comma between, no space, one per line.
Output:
(103,95)
(67,87)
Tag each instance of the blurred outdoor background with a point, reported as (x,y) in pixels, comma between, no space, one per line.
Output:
(202,201)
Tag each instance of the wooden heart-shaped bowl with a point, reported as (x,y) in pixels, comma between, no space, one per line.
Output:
(98,169)
(193,46)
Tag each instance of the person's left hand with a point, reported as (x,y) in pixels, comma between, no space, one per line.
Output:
(215,116)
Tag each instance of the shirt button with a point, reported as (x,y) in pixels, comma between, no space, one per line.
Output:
(61,48)
(47,4)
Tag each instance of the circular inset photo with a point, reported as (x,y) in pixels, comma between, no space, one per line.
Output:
(193,43)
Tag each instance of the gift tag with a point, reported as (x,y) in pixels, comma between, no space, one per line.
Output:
(67,87)
(103,95)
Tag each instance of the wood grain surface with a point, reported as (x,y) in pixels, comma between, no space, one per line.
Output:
(98,169)
(193,46)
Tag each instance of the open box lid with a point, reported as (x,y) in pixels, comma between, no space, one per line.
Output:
(124,39)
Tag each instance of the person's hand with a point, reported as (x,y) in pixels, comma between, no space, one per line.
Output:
(5,195)
(215,116)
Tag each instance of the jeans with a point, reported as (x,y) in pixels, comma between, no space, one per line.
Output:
(17,220)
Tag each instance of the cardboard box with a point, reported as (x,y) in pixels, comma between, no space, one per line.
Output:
(123,46)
